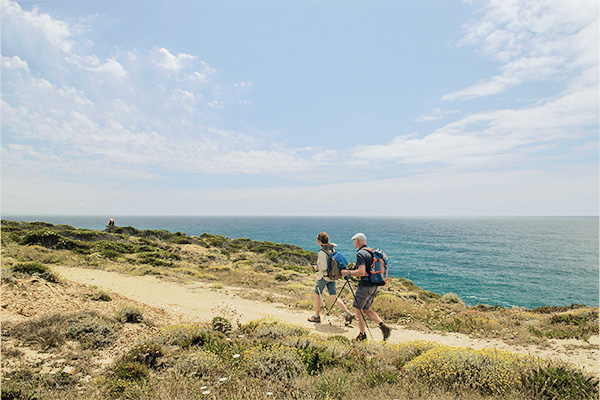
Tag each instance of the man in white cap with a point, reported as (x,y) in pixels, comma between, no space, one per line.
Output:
(365,292)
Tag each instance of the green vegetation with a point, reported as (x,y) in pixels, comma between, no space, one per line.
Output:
(268,357)
(130,314)
(91,329)
(265,358)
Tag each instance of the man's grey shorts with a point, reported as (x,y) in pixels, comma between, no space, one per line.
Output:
(364,296)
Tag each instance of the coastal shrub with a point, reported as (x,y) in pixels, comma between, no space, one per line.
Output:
(12,391)
(221,324)
(276,362)
(296,268)
(200,363)
(560,381)
(487,370)
(579,324)
(271,328)
(36,269)
(398,354)
(390,307)
(183,335)
(319,352)
(130,314)
(52,240)
(104,246)
(557,309)
(130,370)
(214,240)
(45,238)
(86,235)
(158,258)
(452,298)
(382,374)
(124,378)
(92,330)
(48,331)
(332,384)
(296,288)
(146,353)
(101,295)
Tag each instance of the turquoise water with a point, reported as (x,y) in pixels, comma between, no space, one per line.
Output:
(509,261)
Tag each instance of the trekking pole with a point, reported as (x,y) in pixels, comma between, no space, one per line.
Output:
(338,296)
(323,302)
(361,313)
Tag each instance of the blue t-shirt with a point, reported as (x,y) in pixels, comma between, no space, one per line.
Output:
(364,257)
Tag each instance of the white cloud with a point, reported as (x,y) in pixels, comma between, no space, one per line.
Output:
(14,62)
(113,67)
(173,63)
(533,41)
(435,114)
(34,26)
(490,139)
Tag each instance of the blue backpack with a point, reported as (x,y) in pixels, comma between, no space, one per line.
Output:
(378,272)
(336,262)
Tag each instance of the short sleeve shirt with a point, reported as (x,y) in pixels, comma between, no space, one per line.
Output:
(363,257)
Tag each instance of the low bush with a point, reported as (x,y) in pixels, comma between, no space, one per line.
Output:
(579,325)
(383,374)
(560,381)
(130,314)
(92,330)
(333,384)
(487,370)
(124,377)
(101,295)
(320,352)
(271,328)
(36,269)
(277,362)
(146,354)
(221,324)
(47,331)
(12,391)
(452,298)
(183,335)
(401,353)
(200,363)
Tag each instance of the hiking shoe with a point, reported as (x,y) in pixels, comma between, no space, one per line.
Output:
(361,336)
(349,319)
(386,330)
(315,318)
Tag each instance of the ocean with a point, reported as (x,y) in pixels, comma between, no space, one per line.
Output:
(507,261)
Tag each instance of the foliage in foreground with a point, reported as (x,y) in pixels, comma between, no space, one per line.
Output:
(268,358)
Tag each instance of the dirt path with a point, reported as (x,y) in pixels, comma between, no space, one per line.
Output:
(199,302)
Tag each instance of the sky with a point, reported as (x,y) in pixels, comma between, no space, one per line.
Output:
(348,108)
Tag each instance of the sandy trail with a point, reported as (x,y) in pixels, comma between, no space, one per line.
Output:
(198,302)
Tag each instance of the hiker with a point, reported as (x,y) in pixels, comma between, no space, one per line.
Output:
(111,222)
(323,281)
(365,292)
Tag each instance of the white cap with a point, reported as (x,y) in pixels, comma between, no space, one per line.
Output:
(359,236)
